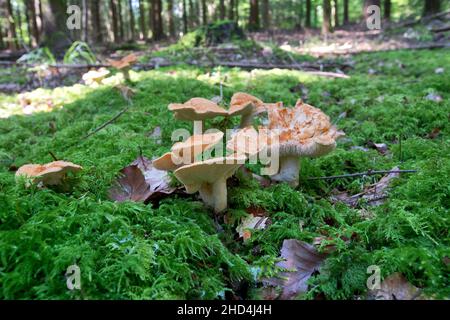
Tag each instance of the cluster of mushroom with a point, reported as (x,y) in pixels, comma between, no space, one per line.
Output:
(95,78)
(302,131)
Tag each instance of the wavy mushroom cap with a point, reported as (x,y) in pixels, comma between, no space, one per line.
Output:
(50,173)
(197,109)
(244,103)
(248,141)
(210,171)
(125,62)
(303,130)
(183,153)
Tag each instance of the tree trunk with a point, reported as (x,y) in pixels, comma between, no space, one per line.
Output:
(119,15)
(132,20)
(336,13)
(387,9)
(96,22)
(34,31)
(157,26)
(171,20)
(253,23)
(12,36)
(19,26)
(346,12)
(28,23)
(222,10)
(231,8)
(326,24)
(85,29)
(265,14)
(191,19)
(431,6)
(204,13)
(115,21)
(142,24)
(308,14)
(55,34)
(2,43)
(185,19)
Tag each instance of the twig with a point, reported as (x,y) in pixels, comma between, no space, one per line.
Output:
(368,173)
(106,123)
(53,156)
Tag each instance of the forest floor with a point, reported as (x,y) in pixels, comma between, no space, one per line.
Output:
(394,109)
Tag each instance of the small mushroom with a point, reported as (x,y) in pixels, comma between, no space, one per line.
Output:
(209,178)
(183,153)
(304,131)
(124,64)
(247,106)
(197,109)
(48,174)
(95,77)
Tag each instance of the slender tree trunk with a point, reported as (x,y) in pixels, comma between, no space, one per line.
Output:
(132,20)
(12,36)
(142,20)
(19,26)
(431,6)
(157,26)
(28,23)
(253,22)
(308,14)
(326,24)
(2,42)
(185,18)
(171,20)
(204,13)
(236,11)
(265,14)
(85,21)
(115,21)
(222,10)
(387,9)
(191,19)
(336,13)
(316,16)
(346,21)
(34,31)
(96,22)
(119,15)
(231,8)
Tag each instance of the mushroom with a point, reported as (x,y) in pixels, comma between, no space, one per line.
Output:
(209,177)
(248,141)
(247,106)
(95,77)
(124,64)
(48,174)
(304,131)
(197,109)
(183,153)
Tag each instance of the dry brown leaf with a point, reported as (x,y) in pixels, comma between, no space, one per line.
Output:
(434,133)
(251,223)
(396,287)
(304,260)
(382,148)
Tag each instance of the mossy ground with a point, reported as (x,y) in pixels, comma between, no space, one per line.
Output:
(135,251)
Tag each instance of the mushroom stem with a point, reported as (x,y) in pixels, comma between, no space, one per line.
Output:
(246,120)
(289,170)
(126,73)
(215,195)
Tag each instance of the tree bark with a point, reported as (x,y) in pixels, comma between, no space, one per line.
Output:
(34,31)
(336,13)
(2,42)
(132,20)
(387,9)
(191,20)
(185,18)
(431,6)
(115,21)
(96,22)
(326,24)
(171,20)
(85,31)
(55,34)
(119,15)
(253,23)
(236,11)
(204,13)
(308,14)
(142,24)
(19,26)
(346,21)
(265,14)
(157,26)
(222,10)
(12,36)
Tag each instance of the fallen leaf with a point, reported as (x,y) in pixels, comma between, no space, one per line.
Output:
(434,133)
(126,92)
(251,223)
(156,135)
(439,70)
(395,287)
(434,97)
(303,259)
(140,181)
(374,194)
(382,148)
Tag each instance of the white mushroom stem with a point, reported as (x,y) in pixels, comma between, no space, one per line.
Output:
(289,170)
(215,195)
(246,120)
(126,73)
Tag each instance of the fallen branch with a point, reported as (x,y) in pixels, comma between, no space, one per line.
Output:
(443,29)
(106,123)
(360,174)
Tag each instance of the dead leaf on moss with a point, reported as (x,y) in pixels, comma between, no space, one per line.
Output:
(252,223)
(140,181)
(382,148)
(303,259)
(396,287)
(374,195)
(434,133)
